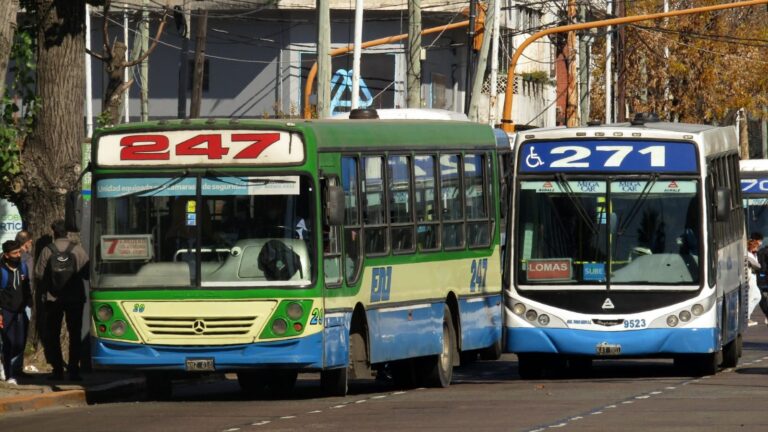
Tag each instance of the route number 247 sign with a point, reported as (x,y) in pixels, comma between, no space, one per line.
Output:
(200,147)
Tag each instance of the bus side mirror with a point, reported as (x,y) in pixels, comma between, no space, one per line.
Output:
(722,204)
(334,205)
(73,211)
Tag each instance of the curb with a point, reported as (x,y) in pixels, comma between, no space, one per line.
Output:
(43,400)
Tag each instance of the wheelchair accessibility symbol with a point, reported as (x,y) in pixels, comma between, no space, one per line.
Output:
(533,160)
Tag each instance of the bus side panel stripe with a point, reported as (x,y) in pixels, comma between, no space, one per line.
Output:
(403,333)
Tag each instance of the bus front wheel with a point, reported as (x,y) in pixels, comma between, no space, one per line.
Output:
(732,352)
(159,385)
(529,366)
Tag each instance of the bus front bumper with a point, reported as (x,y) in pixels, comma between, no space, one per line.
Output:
(632,343)
(298,353)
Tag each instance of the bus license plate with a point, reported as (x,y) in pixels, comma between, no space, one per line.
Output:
(200,365)
(608,349)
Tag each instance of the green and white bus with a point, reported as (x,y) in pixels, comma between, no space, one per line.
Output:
(272,247)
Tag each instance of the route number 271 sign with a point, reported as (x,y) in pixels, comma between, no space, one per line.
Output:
(200,147)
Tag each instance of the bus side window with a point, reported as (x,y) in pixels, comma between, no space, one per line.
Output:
(451,200)
(351,186)
(374,206)
(425,194)
(331,246)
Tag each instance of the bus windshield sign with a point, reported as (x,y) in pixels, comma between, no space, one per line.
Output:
(201,147)
(607,156)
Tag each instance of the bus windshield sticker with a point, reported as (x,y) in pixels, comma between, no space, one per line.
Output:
(126,247)
(241,186)
(594,272)
(754,186)
(608,156)
(201,147)
(550,269)
(115,188)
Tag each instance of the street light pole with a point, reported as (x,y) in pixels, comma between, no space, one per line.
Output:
(506,121)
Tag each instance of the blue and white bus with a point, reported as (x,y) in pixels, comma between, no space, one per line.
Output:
(754,190)
(627,241)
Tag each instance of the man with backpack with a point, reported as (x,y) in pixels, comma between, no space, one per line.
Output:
(15,296)
(61,269)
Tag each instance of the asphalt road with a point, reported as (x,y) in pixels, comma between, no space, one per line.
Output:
(629,395)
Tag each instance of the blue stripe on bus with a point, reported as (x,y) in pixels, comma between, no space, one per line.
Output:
(633,343)
(480,321)
(300,353)
(336,345)
(404,332)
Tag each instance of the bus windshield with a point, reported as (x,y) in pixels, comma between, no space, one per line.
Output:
(597,232)
(243,231)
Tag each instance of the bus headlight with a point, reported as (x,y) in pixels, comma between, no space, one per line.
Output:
(117,328)
(295,311)
(543,319)
(531,315)
(518,309)
(672,320)
(104,313)
(685,316)
(697,309)
(279,326)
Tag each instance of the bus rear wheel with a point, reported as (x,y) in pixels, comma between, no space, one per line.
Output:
(159,385)
(438,370)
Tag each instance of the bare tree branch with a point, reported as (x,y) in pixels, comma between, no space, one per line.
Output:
(154,42)
(96,55)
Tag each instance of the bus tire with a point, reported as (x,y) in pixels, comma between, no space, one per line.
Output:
(335,382)
(438,370)
(731,352)
(493,352)
(158,385)
(699,364)
(530,366)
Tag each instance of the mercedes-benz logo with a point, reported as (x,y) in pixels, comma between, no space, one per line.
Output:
(199,326)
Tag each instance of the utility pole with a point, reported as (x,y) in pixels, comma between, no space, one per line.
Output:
(413,83)
(585,41)
(609,68)
(492,108)
(482,61)
(356,53)
(323,59)
(621,103)
(572,101)
(88,75)
(182,26)
(199,72)
(470,54)
(144,68)
(126,71)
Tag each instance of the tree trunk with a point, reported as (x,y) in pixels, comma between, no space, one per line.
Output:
(51,157)
(8,10)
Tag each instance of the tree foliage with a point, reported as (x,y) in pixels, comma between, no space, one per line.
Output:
(716,63)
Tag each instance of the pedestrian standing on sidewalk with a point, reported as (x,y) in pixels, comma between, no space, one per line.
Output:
(61,269)
(15,296)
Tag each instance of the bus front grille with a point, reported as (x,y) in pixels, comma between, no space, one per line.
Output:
(200,322)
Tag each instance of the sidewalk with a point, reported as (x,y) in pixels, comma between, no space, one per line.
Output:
(35,392)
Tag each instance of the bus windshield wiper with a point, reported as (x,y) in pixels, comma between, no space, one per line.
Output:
(637,205)
(563,182)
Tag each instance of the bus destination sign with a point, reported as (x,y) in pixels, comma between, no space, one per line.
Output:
(201,147)
(607,156)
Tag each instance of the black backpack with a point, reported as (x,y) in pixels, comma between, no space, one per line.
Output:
(278,261)
(61,268)
(762,274)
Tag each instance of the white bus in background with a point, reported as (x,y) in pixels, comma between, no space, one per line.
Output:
(627,242)
(754,191)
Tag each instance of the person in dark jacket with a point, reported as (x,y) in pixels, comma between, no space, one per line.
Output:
(67,303)
(15,297)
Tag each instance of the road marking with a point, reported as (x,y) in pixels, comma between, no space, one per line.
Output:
(261,423)
(287,417)
(314,412)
